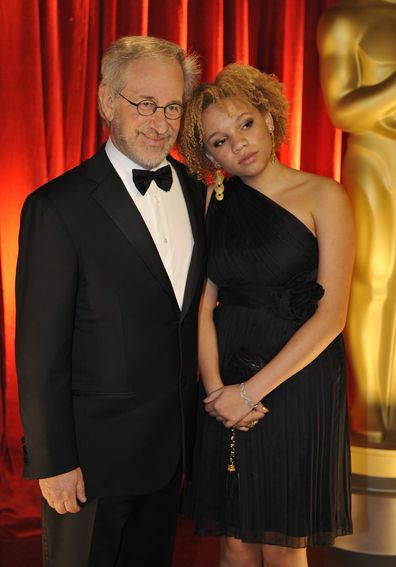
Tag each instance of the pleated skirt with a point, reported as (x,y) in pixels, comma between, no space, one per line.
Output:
(291,486)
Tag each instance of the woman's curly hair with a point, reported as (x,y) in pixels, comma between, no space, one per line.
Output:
(262,90)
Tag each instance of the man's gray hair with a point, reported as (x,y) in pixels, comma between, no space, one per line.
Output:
(129,48)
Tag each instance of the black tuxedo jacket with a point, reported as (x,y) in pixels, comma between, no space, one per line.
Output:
(106,360)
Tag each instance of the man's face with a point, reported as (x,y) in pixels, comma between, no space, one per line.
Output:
(146,139)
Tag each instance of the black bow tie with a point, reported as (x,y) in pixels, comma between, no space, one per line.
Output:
(143,177)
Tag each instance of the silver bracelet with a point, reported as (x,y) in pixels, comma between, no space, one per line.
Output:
(245,397)
(262,408)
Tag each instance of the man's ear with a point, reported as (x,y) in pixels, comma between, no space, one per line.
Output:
(106,100)
(269,121)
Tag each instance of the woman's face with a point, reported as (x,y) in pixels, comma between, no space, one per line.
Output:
(237,136)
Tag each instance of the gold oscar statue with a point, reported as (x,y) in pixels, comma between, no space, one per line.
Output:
(357,52)
(357,49)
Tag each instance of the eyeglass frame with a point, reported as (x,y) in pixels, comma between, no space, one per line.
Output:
(155,106)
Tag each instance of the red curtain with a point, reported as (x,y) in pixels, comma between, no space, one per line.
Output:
(50,54)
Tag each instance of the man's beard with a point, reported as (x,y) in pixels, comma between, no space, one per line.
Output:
(142,154)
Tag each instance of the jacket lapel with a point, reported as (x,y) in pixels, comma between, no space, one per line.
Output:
(114,198)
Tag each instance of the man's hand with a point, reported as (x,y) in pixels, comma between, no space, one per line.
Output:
(63,491)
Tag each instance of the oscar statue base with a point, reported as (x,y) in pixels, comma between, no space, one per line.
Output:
(373,502)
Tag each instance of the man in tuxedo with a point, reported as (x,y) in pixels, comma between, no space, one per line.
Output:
(109,277)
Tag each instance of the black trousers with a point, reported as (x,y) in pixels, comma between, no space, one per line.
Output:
(130,531)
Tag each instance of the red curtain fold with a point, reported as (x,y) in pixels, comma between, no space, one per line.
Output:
(293,76)
(320,141)
(49,69)
(206,35)
(236,40)
(169,19)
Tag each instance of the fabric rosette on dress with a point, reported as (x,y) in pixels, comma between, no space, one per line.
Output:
(298,299)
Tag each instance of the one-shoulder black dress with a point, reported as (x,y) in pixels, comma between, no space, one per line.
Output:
(291,485)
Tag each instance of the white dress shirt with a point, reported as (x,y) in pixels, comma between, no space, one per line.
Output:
(166,217)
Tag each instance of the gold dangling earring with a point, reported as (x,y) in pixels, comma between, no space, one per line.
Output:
(273,153)
(219,185)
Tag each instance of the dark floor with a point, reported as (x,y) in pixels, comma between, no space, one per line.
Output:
(192,551)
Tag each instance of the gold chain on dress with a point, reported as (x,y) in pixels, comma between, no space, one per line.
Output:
(231,463)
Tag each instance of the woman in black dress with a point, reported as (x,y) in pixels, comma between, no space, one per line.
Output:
(280,262)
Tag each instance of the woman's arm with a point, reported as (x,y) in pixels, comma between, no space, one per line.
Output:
(208,355)
(333,220)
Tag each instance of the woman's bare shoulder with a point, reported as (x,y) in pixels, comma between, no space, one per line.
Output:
(319,186)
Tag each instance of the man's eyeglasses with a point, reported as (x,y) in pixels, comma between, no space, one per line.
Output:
(148,107)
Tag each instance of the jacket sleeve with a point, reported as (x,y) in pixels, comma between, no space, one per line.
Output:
(46,287)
